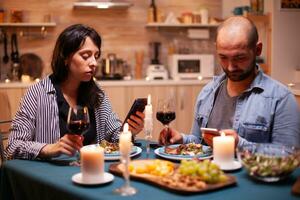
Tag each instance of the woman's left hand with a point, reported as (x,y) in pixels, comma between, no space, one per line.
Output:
(136,123)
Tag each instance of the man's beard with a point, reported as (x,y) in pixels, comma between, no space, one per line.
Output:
(240,75)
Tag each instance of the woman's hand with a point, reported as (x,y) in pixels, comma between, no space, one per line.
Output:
(68,144)
(171,137)
(136,123)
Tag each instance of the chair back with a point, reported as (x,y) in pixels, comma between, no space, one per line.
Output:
(5,122)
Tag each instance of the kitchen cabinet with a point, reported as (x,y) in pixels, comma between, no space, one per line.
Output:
(263,24)
(123,93)
(28,25)
(194,25)
(184,97)
(298,99)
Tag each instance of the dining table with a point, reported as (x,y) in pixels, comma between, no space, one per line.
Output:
(52,179)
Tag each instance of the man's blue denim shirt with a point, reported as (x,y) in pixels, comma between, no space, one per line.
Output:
(267,112)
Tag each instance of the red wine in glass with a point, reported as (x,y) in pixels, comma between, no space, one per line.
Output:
(166,114)
(165,117)
(78,127)
(78,123)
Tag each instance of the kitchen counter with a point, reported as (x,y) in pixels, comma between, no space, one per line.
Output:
(295,88)
(121,83)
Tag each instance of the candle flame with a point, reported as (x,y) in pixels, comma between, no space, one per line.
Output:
(126,128)
(149,99)
(223,133)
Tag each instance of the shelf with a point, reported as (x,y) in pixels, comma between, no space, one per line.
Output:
(101,5)
(50,24)
(164,25)
(259,18)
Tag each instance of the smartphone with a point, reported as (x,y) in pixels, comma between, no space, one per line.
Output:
(212,131)
(138,105)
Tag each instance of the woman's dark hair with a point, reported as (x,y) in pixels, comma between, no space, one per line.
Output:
(68,42)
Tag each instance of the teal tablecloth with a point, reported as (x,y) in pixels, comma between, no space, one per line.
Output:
(23,179)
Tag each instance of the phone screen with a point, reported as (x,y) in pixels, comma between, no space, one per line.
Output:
(138,105)
(210,131)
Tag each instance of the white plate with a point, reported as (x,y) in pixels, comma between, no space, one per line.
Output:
(117,156)
(107,177)
(235,165)
(160,152)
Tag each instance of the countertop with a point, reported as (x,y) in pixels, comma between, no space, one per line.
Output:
(295,88)
(121,83)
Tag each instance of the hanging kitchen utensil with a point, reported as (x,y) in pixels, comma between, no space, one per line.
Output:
(14,48)
(5,57)
(15,64)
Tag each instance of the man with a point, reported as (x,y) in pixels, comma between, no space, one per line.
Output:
(244,102)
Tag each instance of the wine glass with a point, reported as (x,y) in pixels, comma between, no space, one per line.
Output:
(78,123)
(166,114)
(125,149)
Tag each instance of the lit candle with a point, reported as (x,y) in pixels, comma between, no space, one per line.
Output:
(92,163)
(223,150)
(25,78)
(148,112)
(125,141)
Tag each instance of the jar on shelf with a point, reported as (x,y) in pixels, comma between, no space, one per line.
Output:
(1,15)
(187,17)
(16,16)
(197,17)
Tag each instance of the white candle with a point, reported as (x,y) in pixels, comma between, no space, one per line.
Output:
(125,141)
(92,163)
(223,150)
(25,78)
(148,109)
(148,121)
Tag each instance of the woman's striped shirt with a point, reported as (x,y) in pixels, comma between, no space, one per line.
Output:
(36,123)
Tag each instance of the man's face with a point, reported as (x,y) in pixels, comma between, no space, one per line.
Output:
(236,58)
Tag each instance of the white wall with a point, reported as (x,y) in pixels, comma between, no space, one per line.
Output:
(285,44)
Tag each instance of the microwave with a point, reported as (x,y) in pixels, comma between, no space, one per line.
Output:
(191,66)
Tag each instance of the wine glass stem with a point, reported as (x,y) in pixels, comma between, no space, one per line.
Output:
(126,171)
(167,135)
(148,147)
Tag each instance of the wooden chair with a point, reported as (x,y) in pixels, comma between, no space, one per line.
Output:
(5,122)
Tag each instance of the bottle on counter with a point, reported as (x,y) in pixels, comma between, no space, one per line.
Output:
(152,12)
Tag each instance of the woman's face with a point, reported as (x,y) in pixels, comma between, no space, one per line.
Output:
(82,64)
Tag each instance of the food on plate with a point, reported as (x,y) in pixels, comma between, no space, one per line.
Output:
(204,170)
(191,174)
(109,147)
(195,175)
(185,149)
(154,167)
(268,166)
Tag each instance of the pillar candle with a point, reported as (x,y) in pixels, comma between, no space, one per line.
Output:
(125,141)
(92,163)
(223,149)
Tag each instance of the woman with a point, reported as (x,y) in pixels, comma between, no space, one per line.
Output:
(39,128)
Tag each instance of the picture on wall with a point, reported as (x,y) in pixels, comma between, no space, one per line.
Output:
(290,5)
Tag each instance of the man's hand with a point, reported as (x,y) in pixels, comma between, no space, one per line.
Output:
(171,137)
(208,137)
(68,144)
(136,123)
(233,133)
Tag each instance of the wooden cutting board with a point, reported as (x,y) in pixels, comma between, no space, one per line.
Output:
(296,187)
(156,180)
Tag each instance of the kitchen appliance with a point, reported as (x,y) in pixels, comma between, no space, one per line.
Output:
(111,68)
(156,70)
(191,66)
